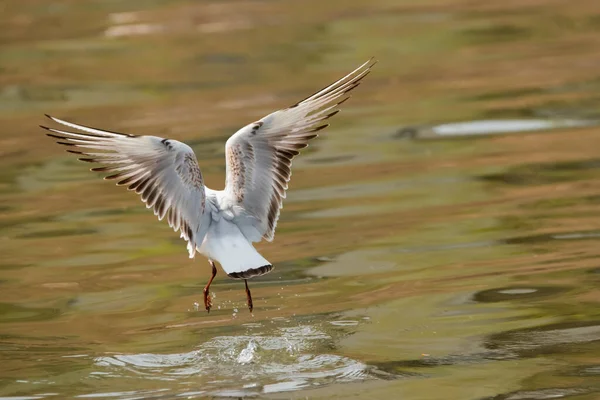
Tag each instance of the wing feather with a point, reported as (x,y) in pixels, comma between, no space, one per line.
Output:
(164,172)
(259,156)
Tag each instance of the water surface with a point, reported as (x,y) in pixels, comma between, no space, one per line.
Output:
(465,266)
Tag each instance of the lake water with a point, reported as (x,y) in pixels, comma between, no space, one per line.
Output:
(441,240)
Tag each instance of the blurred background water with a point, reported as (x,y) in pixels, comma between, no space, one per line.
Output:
(440,240)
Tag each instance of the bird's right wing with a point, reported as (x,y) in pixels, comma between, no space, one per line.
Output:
(163,171)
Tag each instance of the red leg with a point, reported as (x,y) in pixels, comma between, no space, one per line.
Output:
(207,299)
(248,295)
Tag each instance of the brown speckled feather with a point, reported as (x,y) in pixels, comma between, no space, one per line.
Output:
(259,156)
(163,172)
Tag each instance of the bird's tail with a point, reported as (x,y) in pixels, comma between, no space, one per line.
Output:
(226,244)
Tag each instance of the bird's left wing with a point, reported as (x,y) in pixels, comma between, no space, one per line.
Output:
(259,156)
(164,172)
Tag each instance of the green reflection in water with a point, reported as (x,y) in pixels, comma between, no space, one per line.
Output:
(422,269)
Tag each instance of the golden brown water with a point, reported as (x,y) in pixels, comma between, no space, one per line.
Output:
(414,259)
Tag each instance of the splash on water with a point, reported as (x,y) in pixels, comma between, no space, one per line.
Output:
(286,358)
(247,355)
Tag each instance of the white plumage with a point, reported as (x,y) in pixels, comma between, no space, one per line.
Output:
(220,224)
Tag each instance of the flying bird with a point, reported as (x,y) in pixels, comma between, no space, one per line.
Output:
(219,224)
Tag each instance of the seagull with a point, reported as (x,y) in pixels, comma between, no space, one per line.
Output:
(219,224)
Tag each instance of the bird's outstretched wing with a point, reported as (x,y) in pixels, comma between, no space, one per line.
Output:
(259,156)
(163,172)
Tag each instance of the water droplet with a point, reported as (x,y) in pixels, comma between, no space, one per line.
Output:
(290,347)
(247,354)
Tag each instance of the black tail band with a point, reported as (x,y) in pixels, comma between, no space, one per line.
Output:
(251,273)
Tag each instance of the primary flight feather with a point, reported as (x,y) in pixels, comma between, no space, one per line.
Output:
(220,224)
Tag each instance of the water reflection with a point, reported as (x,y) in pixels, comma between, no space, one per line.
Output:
(545,339)
(517,293)
(544,394)
(491,127)
(467,267)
